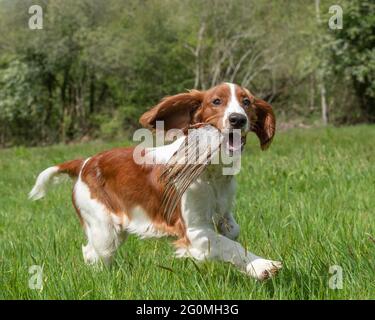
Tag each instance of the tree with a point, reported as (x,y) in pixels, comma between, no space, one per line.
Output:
(353,53)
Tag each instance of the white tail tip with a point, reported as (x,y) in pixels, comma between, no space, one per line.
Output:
(39,189)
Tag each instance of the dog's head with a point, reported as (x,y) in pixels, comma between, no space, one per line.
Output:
(226,106)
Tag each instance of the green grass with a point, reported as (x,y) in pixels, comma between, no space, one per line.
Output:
(308,201)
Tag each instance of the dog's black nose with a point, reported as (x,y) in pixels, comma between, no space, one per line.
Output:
(237,120)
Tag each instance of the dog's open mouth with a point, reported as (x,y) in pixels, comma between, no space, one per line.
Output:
(234,141)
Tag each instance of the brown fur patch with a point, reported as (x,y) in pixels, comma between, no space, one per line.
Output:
(120,184)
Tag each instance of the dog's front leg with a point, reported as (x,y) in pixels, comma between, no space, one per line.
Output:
(228,227)
(207,244)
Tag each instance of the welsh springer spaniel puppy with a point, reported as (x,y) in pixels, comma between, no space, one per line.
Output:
(114,196)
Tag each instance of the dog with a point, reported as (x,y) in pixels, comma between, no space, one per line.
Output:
(114,196)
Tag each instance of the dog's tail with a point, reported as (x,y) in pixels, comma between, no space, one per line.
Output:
(72,168)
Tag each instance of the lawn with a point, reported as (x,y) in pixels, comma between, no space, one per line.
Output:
(308,201)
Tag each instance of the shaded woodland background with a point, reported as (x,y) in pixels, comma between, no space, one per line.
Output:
(98,64)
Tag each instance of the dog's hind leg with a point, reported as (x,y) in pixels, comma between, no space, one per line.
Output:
(103,240)
(89,254)
(104,233)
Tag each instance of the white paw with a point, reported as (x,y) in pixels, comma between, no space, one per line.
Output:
(263,269)
(89,255)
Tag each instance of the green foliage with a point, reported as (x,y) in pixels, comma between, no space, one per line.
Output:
(97,65)
(20,106)
(15,100)
(353,52)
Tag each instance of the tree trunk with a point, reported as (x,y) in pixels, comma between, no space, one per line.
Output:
(197,55)
(323,95)
(324,103)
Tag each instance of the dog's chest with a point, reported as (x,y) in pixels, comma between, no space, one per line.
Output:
(208,199)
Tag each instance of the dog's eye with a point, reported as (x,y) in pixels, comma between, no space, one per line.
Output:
(216,102)
(246,102)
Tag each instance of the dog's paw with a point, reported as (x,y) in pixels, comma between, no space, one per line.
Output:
(89,255)
(263,269)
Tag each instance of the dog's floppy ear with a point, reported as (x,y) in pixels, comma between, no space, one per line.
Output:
(264,123)
(176,111)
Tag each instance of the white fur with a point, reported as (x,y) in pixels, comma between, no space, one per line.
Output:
(204,205)
(233,107)
(44,178)
(104,232)
(141,225)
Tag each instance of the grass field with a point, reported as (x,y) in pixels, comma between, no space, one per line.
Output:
(308,201)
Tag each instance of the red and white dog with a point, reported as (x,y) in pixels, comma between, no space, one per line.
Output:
(114,196)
